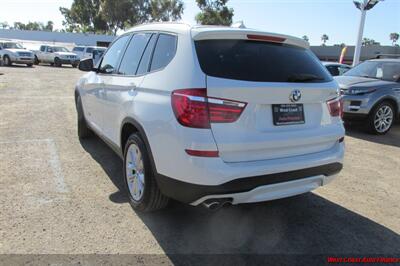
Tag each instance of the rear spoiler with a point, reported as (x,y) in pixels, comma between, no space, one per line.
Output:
(245,34)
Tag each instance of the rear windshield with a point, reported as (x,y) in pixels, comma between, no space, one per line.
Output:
(259,61)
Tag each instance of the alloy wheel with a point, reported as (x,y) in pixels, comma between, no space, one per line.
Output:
(135,172)
(383,118)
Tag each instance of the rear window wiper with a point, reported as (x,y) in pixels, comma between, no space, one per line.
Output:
(303,78)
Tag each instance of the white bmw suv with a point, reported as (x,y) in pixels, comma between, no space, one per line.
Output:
(213,115)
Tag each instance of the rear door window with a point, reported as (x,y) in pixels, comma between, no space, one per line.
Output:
(133,54)
(259,61)
(145,61)
(164,52)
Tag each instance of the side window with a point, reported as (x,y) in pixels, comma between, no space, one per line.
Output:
(42,48)
(89,50)
(334,70)
(343,70)
(144,63)
(113,54)
(133,54)
(164,51)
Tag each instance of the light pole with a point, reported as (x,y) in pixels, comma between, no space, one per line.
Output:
(364,6)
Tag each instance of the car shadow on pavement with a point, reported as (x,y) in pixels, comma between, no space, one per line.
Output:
(111,164)
(66,66)
(303,225)
(392,138)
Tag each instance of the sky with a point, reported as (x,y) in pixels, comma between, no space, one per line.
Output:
(339,19)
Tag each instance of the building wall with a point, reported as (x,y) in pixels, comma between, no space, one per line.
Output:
(332,53)
(56,37)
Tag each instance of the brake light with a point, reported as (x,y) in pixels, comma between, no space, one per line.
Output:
(192,108)
(335,107)
(265,38)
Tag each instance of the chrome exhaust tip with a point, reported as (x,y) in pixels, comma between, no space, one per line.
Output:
(218,203)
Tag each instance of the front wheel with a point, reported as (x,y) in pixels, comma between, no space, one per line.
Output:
(74,65)
(36,62)
(7,61)
(57,62)
(381,118)
(144,194)
(29,65)
(83,130)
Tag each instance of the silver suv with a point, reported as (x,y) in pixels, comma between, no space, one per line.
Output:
(372,94)
(213,115)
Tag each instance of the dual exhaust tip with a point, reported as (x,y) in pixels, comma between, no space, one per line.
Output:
(217,203)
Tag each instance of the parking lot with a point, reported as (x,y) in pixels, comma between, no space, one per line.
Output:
(62,196)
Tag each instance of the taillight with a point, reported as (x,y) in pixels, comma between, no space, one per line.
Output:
(192,108)
(335,107)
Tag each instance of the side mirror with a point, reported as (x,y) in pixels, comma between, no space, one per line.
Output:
(86,65)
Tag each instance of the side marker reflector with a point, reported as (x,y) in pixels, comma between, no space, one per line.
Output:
(198,153)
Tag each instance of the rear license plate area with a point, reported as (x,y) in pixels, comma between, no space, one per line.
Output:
(288,114)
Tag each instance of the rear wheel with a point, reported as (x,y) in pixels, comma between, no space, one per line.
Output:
(381,119)
(74,65)
(144,194)
(83,130)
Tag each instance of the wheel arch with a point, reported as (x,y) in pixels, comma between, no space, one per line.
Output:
(130,126)
(391,100)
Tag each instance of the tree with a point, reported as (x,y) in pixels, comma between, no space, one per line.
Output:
(84,16)
(109,16)
(4,25)
(214,12)
(305,37)
(165,10)
(34,26)
(324,39)
(49,26)
(369,42)
(394,37)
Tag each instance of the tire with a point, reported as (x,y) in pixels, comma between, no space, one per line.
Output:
(149,198)
(57,62)
(381,118)
(7,61)
(29,65)
(36,62)
(74,65)
(83,130)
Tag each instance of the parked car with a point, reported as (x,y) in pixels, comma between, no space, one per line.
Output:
(372,94)
(336,69)
(56,56)
(93,52)
(232,116)
(13,52)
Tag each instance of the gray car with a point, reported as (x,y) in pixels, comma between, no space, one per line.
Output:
(371,93)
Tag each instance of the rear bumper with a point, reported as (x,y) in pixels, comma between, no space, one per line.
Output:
(251,189)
